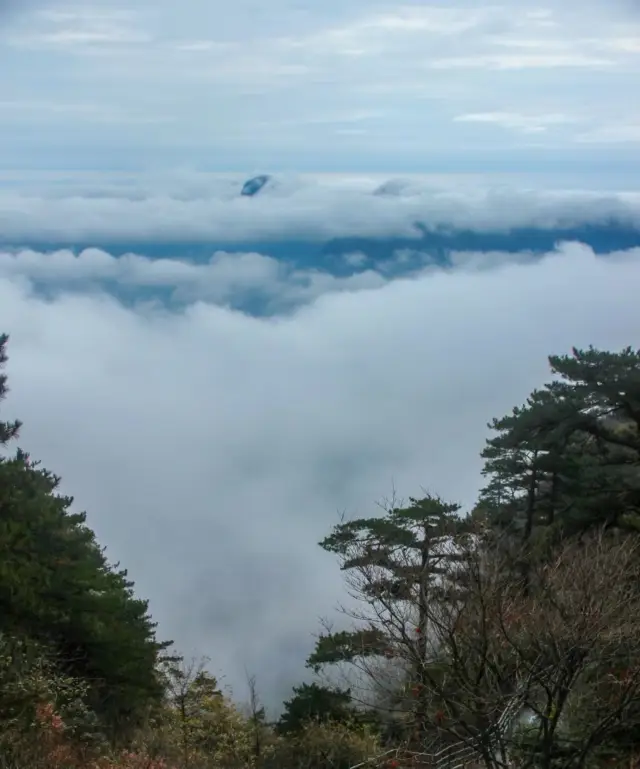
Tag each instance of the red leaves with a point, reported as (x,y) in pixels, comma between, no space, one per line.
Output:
(46,716)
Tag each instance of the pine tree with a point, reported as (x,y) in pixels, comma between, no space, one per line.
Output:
(399,565)
(8,430)
(606,388)
(57,588)
(570,457)
(313,702)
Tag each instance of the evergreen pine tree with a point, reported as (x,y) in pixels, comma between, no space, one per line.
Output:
(57,588)
(313,702)
(8,430)
(570,457)
(399,565)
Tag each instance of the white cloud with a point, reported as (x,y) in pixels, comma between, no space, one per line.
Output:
(225,278)
(355,258)
(208,207)
(212,450)
(517,121)
(81,28)
(624,44)
(521,61)
(612,134)
(17,110)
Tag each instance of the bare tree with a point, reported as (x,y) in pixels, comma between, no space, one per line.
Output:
(179,678)
(548,675)
(494,669)
(576,641)
(256,716)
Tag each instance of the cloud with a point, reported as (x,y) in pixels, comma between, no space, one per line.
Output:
(612,134)
(211,447)
(235,87)
(83,112)
(522,61)
(252,282)
(226,279)
(517,121)
(209,208)
(213,450)
(80,28)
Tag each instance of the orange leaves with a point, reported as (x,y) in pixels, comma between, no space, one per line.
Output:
(60,753)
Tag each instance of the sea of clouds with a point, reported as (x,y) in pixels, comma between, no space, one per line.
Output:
(215,409)
(194,206)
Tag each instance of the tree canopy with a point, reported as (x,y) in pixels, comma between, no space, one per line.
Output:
(57,588)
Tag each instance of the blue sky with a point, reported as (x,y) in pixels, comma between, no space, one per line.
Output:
(283,358)
(335,86)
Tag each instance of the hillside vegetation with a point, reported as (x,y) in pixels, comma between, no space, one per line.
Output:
(503,636)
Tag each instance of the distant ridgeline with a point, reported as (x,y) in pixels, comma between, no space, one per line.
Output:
(431,244)
(435,244)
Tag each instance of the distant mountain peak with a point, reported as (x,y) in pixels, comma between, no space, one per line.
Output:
(253,186)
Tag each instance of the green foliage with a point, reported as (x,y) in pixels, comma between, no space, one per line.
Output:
(32,685)
(399,527)
(57,588)
(399,553)
(312,702)
(347,646)
(397,564)
(569,459)
(8,430)
(564,464)
(324,745)
(204,728)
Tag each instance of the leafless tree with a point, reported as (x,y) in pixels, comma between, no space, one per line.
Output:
(256,715)
(548,674)
(180,677)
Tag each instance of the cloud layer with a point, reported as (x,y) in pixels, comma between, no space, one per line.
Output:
(189,206)
(358,84)
(213,450)
(212,447)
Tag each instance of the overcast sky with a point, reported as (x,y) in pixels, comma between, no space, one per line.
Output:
(211,449)
(319,85)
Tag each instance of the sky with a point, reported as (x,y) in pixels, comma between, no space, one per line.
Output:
(217,378)
(334,86)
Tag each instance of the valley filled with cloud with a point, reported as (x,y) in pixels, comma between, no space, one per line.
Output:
(214,414)
(452,196)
